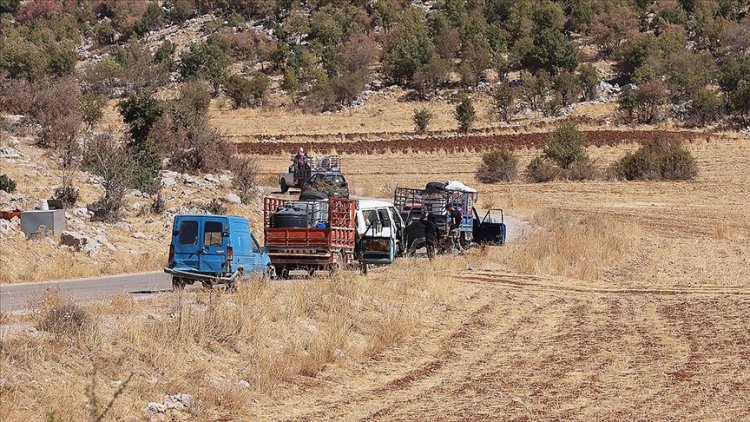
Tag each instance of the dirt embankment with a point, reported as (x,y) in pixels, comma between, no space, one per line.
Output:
(456,144)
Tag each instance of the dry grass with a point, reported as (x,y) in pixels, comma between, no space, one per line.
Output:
(43,260)
(265,334)
(384,115)
(574,246)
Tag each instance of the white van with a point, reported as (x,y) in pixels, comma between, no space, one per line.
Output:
(380,232)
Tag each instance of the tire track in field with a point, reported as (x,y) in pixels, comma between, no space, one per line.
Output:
(535,283)
(473,348)
(351,405)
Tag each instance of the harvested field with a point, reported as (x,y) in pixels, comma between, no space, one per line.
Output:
(476,143)
(626,300)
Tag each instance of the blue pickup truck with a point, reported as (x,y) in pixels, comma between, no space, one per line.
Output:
(214,249)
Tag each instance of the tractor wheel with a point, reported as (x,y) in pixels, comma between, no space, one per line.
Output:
(364,269)
(284,187)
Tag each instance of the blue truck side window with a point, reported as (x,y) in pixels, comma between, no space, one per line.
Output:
(212,234)
(188,233)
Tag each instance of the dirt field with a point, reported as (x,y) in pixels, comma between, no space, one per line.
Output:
(625,301)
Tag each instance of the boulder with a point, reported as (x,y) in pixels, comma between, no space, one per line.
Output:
(9,227)
(82,212)
(80,243)
(232,198)
(168,181)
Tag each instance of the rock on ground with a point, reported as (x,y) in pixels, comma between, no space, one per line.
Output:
(233,198)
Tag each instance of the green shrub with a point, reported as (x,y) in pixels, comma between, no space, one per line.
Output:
(541,169)
(290,83)
(207,61)
(409,47)
(465,114)
(705,106)
(657,160)
(247,92)
(566,145)
(192,104)
(104,33)
(151,19)
(7,184)
(498,166)
(504,101)
(421,118)
(92,108)
(589,80)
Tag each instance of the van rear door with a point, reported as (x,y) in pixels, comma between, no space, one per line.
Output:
(186,243)
(213,252)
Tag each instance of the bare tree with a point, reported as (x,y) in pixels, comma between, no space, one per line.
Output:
(107,158)
(245,176)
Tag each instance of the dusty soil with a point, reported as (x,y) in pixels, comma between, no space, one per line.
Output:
(527,354)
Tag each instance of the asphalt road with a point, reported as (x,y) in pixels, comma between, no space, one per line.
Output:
(16,297)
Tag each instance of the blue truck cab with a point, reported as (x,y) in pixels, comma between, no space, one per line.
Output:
(214,249)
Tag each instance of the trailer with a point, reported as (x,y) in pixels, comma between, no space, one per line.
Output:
(309,235)
(412,203)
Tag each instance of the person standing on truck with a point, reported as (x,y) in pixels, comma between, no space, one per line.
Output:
(455,218)
(299,159)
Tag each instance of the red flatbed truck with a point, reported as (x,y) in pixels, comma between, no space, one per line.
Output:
(327,246)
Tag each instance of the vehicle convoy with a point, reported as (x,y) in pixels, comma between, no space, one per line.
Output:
(431,201)
(214,249)
(303,168)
